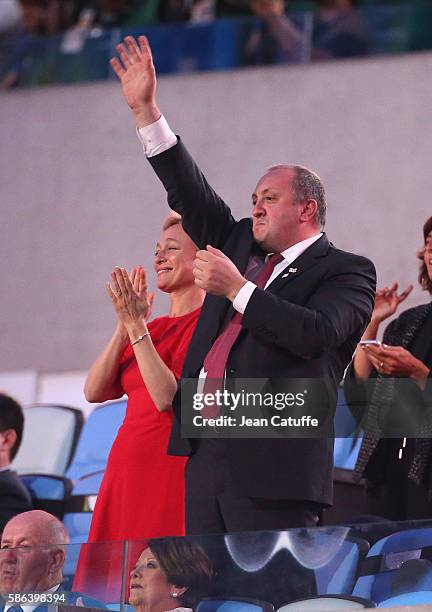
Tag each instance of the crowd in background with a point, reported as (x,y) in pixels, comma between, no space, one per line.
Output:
(35,32)
(55,16)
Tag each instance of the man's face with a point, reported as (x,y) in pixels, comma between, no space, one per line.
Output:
(275,216)
(24,563)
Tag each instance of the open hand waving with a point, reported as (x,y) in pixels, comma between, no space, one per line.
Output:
(137,75)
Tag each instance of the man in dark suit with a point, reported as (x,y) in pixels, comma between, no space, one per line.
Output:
(32,555)
(14,497)
(297,315)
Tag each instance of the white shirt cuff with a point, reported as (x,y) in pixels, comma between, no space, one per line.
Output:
(242,298)
(156,137)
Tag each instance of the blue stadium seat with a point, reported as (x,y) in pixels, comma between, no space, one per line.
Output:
(78,526)
(408,599)
(338,575)
(80,506)
(86,488)
(96,439)
(386,557)
(348,440)
(233,604)
(50,437)
(327,603)
(48,492)
(70,565)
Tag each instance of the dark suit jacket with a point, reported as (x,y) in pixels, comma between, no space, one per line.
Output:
(14,497)
(304,325)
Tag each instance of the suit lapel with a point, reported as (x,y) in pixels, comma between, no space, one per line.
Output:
(303,263)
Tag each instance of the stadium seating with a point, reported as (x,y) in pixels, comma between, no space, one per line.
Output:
(48,492)
(50,437)
(338,575)
(348,439)
(327,603)
(96,439)
(385,557)
(233,604)
(408,599)
(80,506)
(348,494)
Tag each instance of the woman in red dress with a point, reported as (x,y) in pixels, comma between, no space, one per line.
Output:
(142,493)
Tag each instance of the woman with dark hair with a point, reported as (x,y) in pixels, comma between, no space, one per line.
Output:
(396,452)
(170,574)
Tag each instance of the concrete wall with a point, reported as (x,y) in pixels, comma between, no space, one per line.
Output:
(78,198)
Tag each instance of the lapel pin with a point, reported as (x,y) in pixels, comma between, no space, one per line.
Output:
(290,271)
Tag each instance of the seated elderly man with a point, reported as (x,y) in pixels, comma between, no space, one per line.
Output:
(32,556)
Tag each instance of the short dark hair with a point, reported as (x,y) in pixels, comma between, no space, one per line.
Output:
(11,417)
(185,564)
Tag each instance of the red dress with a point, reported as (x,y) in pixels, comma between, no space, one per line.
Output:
(142,493)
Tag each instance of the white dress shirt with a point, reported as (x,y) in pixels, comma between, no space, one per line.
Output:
(243,296)
(156,137)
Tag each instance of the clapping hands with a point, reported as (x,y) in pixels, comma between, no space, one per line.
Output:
(129,296)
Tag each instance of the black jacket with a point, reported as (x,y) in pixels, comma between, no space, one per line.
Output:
(14,497)
(305,325)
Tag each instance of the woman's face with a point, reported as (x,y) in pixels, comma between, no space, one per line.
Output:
(148,585)
(174,258)
(427,254)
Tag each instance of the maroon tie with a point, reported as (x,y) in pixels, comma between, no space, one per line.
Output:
(217,357)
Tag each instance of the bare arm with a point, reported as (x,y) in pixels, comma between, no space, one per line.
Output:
(398,361)
(362,365)
(386,304)
(130,305)
(158,378)
(102,382)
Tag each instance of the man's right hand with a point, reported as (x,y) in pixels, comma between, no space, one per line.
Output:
(137,75)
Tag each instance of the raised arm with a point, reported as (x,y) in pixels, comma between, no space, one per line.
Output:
(138,79)
(387,301)
(205,216)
